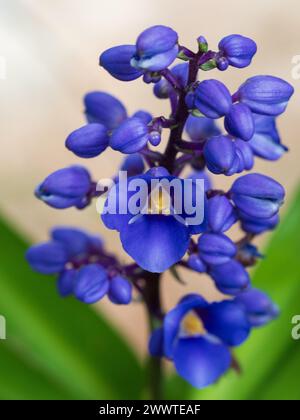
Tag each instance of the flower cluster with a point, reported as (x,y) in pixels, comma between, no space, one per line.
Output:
(210,131)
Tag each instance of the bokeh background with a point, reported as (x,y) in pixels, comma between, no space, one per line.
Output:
(51,50)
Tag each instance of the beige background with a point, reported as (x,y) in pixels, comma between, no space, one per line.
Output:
(51,49)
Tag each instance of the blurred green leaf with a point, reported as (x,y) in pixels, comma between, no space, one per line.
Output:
(56,348)
(270,358)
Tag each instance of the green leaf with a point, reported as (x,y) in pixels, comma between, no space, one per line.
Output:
(55,347)
(269,359)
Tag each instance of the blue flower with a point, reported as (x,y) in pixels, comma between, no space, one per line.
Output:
(155,236)
(267,95)
(245,154)
(102,108)
(216,248)
(259,307)
(91,283)
(230,278)
(48,257)
(238,50)
(220,154)
(65,188)
(221,214)
(88,141)
(156,48)
(239,122)
(120,290)
(66,282)
(77,242)
(265,142)
(201,128)
(145,116)
(197,337)
(257,225)
(133,164)
(195,263)
(131,136)
(116,61)
(211,98)
(257,195)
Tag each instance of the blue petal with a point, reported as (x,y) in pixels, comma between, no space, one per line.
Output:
(199,361)
(48,257)
(228,321)
(120,290)
(100,107)
(116,61)
(91,283)
(173,318)
(66,282)
(155,242)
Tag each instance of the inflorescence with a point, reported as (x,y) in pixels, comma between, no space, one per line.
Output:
(196,335)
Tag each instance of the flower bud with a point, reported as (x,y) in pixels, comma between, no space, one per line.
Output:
(195,263)
(156,48)
(120,290)
(238,50)
(267,95)
(212,98)
(255,225)
(48,257)
(259,307)
(202,44)
(265,142)
(65,188)
(239,122)
(76,241)
(65,282)
(201,128)
(257,195)
(245,154)
(145,116)
(216,248)
(130,137)
(116,61)
(222,63)
(219,153)
(230,278)
(102,108)
(133,164)
(221,214)
(91,283)
(88,141)
(154,138)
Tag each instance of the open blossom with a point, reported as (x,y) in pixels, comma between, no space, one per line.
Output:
(156,215)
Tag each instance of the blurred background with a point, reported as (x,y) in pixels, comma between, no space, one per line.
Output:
(50,49)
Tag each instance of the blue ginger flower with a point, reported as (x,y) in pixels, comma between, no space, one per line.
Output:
(162,230)
(156,48)
(197,337)
(157,212)
(66,187)
(237,50)
(116,61)
(265,142)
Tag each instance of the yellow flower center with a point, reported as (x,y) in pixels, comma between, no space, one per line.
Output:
(192,324)
(159,202)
